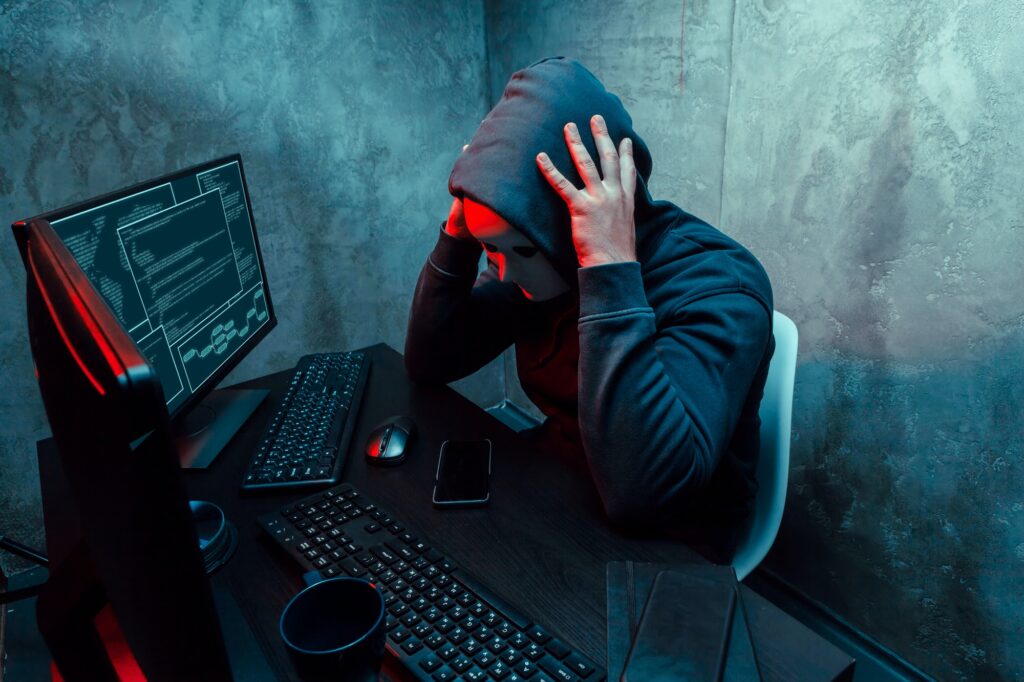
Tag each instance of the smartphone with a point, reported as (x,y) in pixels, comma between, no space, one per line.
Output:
(463,476)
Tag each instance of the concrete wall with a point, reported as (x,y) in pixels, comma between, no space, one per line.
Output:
(869,153)
(348,116)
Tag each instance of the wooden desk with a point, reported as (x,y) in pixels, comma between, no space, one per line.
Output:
(542,543)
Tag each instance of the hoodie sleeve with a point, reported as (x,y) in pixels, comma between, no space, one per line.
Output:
(657,407)
(458,321)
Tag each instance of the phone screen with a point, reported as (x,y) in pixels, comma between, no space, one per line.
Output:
(463,472)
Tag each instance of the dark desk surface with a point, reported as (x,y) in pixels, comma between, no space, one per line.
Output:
(542,543)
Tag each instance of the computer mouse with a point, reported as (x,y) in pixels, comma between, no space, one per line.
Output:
(390,441)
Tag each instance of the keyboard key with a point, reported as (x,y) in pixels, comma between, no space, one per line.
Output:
(447,652)
(497,645)
(475,675)
(352,568)
(578,665)
(457,636)
(518,640)
(444,674)
(510,658)
(400,634)
(556,669)
(533,652)
(485,659)
(410,619)
(499,671)
(538,635)
(385,555)
(431,663)
(422,629)
(557,649)
(461,664)
(435,640)
(526,669)
(412,646)
(471,647)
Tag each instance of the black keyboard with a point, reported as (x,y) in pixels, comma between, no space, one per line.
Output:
(307,441)
(442,624)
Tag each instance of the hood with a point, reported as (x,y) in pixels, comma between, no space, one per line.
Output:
(498,168)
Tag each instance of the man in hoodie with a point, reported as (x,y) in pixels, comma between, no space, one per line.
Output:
(641,332)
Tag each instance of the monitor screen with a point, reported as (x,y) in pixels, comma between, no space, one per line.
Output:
(178,262)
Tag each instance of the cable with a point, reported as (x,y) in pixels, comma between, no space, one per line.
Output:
(23,551)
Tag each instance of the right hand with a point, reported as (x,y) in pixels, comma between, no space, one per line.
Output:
(456,225)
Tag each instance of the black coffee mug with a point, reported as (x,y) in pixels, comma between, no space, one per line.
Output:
(334,629)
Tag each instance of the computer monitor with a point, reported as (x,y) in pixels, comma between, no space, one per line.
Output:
(132,544)
(178,261)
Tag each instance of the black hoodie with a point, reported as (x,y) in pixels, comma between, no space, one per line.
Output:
(652,370)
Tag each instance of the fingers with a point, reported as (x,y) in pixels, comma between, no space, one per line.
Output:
(606,150)
(558,182)
(581,157)
(628,168)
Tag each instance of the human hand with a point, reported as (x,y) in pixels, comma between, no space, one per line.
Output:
(603,229)
(456,225)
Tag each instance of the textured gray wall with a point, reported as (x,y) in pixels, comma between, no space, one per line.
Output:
(348,117)
(869,153)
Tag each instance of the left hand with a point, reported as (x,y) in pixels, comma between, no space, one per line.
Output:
(602,213)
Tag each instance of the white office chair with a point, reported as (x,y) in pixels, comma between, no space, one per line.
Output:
(773,466)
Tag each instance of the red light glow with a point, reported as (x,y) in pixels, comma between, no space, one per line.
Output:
(67,342)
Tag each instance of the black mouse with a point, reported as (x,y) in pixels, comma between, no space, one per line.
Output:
(390,441)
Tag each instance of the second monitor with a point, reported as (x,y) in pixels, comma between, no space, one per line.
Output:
(178,261)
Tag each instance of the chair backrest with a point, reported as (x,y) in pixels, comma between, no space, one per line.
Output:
(776,414)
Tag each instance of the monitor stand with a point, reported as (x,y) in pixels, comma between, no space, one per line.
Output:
(207,428)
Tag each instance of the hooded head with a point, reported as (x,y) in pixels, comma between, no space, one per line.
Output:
(499,169)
